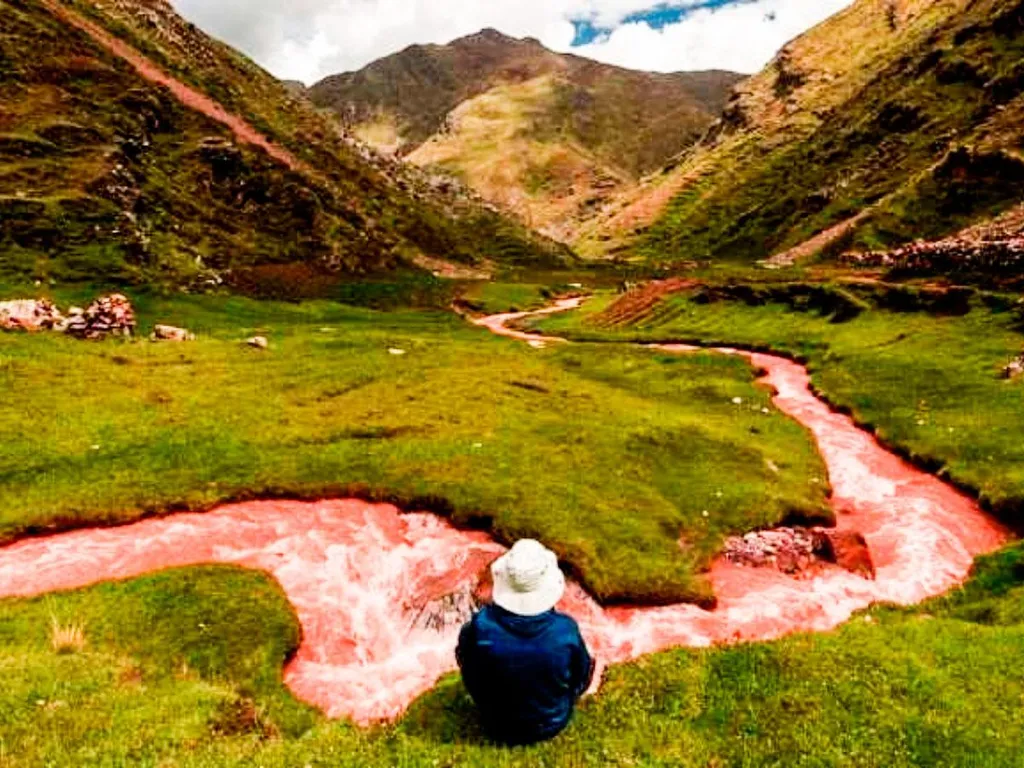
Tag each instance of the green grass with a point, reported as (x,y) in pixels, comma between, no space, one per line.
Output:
(183,668)
(608,458)
(495,297)
(928,384)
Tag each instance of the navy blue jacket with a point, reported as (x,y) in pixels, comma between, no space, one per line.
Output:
(525,673)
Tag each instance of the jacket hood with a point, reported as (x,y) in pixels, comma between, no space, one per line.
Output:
(524,626)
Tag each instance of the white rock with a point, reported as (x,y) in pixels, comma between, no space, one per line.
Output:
(396,352)
(171,333)
(258,342)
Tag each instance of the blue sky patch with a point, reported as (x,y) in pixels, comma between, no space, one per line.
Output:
(656,17)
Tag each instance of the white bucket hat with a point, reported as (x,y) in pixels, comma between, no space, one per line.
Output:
(527,580)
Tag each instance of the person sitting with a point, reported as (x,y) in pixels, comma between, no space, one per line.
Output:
(524,664)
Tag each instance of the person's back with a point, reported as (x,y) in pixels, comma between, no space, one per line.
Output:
(524,664)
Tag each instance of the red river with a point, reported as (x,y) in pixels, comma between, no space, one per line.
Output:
(380,594)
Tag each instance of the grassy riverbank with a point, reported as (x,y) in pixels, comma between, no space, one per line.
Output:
(928,383)
(609,458)
(183,668)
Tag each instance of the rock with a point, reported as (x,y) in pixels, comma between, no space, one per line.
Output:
(29,315)
(396,352)
(258,342)
(1015,369)
(171,333)
(446,613)
(799,550)
(847,549)
(790,550)
(108,315)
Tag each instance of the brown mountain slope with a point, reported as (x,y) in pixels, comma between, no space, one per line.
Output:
(133,148)
(892,120)
(546,135)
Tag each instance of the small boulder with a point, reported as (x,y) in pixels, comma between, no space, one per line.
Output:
(171,333)
(258,342)
(29,315)
(1015,369)
(847,549)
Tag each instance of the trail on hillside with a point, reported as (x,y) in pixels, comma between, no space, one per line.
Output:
(381,594)
(188,96)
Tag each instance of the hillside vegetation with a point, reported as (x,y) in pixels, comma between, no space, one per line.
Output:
(890,121)
(107,177)
(546,135)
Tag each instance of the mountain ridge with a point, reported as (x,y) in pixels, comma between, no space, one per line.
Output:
(886,123)
(571,128)
(135,149)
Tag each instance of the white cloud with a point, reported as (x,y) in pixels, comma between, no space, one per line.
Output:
(742,37)
(309,39)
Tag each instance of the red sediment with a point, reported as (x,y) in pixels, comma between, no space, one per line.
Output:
(360,576)
(190,97)
(639,302)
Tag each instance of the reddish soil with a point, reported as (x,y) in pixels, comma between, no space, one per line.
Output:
(380,595)
(639,302)
(188,96)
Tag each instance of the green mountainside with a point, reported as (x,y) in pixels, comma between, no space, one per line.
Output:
(890,121)
(106,176)
(546,135)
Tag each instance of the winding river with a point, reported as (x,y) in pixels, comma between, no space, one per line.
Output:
(381,594)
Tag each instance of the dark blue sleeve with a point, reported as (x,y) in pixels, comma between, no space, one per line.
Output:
(582,665)
(465,654)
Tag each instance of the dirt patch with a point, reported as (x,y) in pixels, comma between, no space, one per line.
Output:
(190,97)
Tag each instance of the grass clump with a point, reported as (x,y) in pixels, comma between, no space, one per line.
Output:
(66,638)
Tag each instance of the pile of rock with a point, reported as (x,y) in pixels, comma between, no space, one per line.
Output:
(955,254)
(30,315)
(107,316)
(995,247)
(801,550)
(790,550)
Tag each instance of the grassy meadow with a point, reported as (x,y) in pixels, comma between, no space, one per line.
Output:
(182,668)
(608,453)
(927,382)
(609,458)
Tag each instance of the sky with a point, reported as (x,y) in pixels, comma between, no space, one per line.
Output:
(309,39)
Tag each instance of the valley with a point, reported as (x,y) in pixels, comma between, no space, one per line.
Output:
(747,353)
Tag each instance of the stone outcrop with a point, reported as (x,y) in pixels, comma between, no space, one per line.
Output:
(993,248)
(107,316)
(29,315)
(799,551)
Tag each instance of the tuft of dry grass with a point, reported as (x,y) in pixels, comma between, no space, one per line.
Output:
(66,638)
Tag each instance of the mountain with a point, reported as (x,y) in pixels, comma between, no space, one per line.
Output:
(134,148)
(893,120)
(543,134)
